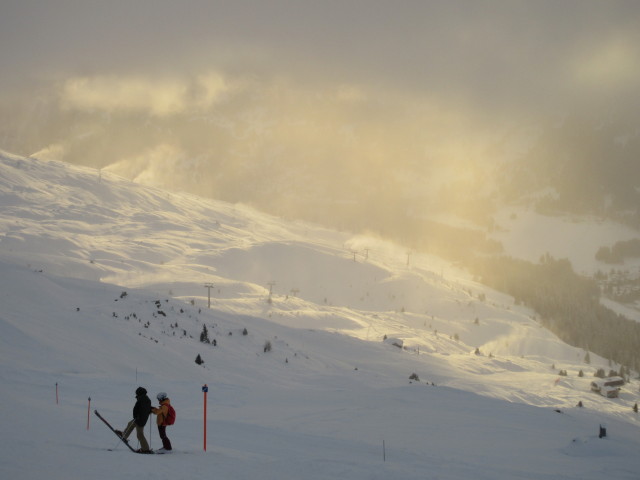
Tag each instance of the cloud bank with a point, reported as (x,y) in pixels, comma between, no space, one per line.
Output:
(390,106)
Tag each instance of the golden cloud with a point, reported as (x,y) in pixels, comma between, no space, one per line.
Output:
(128,94)
(612,64)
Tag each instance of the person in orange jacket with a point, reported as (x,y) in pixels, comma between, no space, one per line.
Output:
(162,412)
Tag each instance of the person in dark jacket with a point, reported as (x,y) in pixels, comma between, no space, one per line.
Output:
(141,411)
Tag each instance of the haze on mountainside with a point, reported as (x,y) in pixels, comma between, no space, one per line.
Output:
(361,114)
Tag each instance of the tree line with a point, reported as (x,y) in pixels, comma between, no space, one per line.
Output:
(568,304)
(619,251)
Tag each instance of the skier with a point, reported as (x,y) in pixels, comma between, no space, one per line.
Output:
(141,412)
(163,420)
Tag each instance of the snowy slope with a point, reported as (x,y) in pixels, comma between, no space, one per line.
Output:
(102,289)
(528,235)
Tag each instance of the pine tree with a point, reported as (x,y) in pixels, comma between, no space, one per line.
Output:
(204,335)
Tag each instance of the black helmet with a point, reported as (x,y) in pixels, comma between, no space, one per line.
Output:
(140,391)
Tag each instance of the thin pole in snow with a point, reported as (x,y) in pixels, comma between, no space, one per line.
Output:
(88,411)
(205,389)
(56,393)
(384,452)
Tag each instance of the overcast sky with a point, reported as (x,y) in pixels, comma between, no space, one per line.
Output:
(229,96)
(500,53)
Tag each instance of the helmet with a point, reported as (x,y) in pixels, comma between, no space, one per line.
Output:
(140,391)
(161,396)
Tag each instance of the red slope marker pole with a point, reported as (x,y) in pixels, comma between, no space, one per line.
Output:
(205,389)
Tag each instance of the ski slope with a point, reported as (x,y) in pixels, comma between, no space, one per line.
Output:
(103,289)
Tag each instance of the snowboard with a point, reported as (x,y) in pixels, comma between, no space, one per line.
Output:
(114,432)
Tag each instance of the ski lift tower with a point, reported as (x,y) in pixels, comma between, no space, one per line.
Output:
(271,284)
(208,286)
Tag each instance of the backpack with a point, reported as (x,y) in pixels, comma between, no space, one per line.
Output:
(171,416)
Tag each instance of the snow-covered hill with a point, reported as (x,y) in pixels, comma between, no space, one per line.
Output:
(103,289)
(529,235)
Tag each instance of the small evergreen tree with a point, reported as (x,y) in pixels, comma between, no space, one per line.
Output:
(199,360)
(204,335)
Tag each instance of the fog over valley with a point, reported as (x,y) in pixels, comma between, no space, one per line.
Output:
(359,115)
(381,232)
(422,123)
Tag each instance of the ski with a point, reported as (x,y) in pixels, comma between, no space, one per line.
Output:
(114,432)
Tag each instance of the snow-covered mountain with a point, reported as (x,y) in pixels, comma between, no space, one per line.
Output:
(103,289)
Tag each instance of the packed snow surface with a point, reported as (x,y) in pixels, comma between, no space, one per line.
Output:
(103,289)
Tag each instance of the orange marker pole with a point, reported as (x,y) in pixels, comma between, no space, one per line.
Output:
(205,389)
